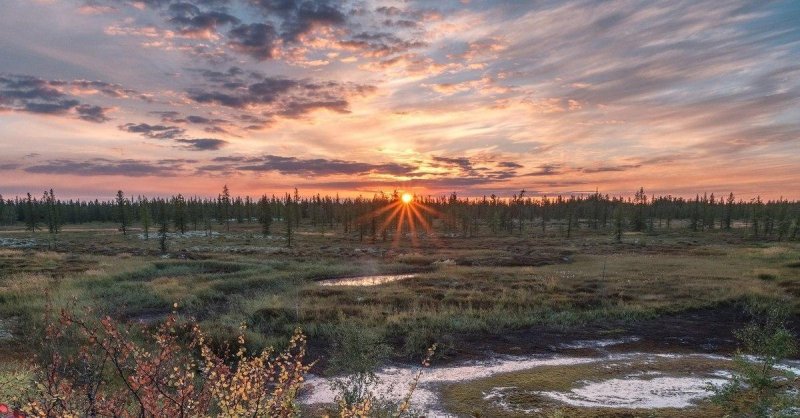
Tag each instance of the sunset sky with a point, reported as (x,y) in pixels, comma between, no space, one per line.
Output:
(159,96)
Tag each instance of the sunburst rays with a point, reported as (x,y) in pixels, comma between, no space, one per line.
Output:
(406,216)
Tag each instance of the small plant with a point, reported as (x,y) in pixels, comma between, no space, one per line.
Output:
(356,352)
(370,404)
(758,387)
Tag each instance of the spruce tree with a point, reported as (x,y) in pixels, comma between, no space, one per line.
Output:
(179,208)
(122,212)
(163,226)
(52,213)
(31,215)
(288,219)
(618,222)
(145,218)
(729,211)
(265,215)
(756,216)
(640,201)
(225,208)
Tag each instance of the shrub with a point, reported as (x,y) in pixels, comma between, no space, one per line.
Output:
(112,370)
(758,386)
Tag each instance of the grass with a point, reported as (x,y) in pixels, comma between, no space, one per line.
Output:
(464,287)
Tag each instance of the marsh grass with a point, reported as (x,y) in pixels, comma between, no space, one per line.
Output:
(493,286)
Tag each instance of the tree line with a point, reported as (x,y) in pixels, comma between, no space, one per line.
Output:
(367,218)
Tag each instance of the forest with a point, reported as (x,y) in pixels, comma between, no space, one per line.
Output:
(363,217)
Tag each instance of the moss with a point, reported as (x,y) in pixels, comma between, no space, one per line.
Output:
(520,389)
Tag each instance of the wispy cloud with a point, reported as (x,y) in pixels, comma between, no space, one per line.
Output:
(478,96)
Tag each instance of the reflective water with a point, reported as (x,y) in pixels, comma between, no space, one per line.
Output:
(365,280)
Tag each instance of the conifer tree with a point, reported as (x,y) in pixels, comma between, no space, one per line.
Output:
(544,213)
(179,208)
(3,209)
(31,215)
(756,216)
(122,213)
(729,211)
(289,214)
(694,221)
(225,208)
(618,222)
(265,215)
(298,214)
(145,218)
(640,200)
(163,226)
(784,221)
(206,221)
(53,214)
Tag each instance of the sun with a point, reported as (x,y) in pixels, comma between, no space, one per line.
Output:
(406,198)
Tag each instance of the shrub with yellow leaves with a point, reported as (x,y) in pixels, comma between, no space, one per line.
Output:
(171,372)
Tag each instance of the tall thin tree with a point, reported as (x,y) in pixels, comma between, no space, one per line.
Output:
(289,215)
(265,214)
(122,212)
(31,215)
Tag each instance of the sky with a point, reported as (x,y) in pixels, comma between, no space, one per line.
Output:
(354,97)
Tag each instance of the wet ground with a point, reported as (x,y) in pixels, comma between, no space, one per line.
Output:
(708,330)
(621,381)
(664,362)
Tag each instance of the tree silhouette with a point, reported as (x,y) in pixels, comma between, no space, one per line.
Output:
(31,215)
(122,205)
(264,215)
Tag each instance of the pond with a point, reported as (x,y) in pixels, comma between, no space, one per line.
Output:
(365,280)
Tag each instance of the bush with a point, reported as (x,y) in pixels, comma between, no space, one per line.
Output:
(115,371)
(759,387)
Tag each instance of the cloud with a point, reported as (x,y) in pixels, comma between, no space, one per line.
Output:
(153,131)
(545,170)
(91,113)
(439,183)
(105,167)
(552,105)
(610,168)
(277,96)
(379,44)
(9,166)
(389,10)
(202,144)
(509,164)
(255,39)
(172,116)
(306,167)
(270,29)
(192,21)
(24,93)
(175,133)
(302,16)
(462,163)
(33,95)
(90,87)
